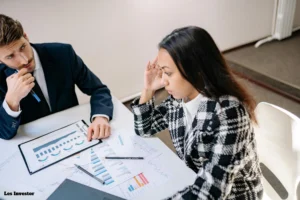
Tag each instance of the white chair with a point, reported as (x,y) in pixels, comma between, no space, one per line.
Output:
(277,135)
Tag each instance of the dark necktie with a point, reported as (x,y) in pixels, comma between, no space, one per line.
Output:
(42,105)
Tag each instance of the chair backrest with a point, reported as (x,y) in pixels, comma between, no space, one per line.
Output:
(277,135)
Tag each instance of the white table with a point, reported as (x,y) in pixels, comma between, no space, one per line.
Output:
(122,118)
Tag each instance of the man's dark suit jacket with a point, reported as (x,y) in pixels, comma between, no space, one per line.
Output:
(63,69)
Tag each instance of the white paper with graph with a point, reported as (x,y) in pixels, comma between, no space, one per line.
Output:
(124,178)
(149,173)
(55,146)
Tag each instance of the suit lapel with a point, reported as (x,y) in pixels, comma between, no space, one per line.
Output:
(202,114)
(197,124)
(8,71)
(49,73)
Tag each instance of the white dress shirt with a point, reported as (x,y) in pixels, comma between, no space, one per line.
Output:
(190,109)
(40,79)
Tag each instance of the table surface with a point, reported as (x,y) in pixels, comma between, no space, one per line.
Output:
(181,175)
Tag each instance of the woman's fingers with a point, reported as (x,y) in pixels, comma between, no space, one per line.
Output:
(148,67)
(159,73)
(155,60)
(154,63)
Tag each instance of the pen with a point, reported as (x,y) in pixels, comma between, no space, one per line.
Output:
(35,96)
(33,93)
(88,173)
(132,158)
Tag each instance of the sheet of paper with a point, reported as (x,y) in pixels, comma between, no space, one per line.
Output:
(125,178)
(16,176)
(149,172)
(50,148)
(113,172)
(127,143)
(153,175)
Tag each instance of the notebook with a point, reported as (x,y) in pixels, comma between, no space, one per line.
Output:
(76,191)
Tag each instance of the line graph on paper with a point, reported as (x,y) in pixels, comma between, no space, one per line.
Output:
(141,146)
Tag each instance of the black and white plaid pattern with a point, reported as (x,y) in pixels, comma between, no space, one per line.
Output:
(220,147)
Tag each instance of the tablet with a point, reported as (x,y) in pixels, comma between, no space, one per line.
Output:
(55,146)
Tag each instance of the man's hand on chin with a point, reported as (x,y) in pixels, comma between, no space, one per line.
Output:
(99,129)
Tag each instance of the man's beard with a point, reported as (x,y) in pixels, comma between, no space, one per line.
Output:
(29,61)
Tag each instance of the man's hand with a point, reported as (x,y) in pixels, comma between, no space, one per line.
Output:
(18,87)
(99,129)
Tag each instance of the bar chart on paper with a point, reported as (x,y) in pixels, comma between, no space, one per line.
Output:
(137,182)
(112,172)
(99,169)
(147,173)
(55,146)
(133,187)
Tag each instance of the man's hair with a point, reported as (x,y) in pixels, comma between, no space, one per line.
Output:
(10,30)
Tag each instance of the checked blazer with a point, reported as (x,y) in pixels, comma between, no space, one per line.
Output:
(220,147)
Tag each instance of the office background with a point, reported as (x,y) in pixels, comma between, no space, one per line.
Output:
(116,38)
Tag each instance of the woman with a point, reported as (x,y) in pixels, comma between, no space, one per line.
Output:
(209,116)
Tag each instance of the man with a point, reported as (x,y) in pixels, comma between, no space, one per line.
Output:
(39,79)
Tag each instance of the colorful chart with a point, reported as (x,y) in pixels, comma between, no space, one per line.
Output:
(137,182)
(99,169)
(55,147)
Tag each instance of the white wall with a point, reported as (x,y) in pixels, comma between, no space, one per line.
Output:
(116,38)
(297,14)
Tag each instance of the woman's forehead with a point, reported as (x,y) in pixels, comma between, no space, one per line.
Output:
(164,60)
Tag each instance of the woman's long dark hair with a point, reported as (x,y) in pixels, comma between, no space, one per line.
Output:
(201,63)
